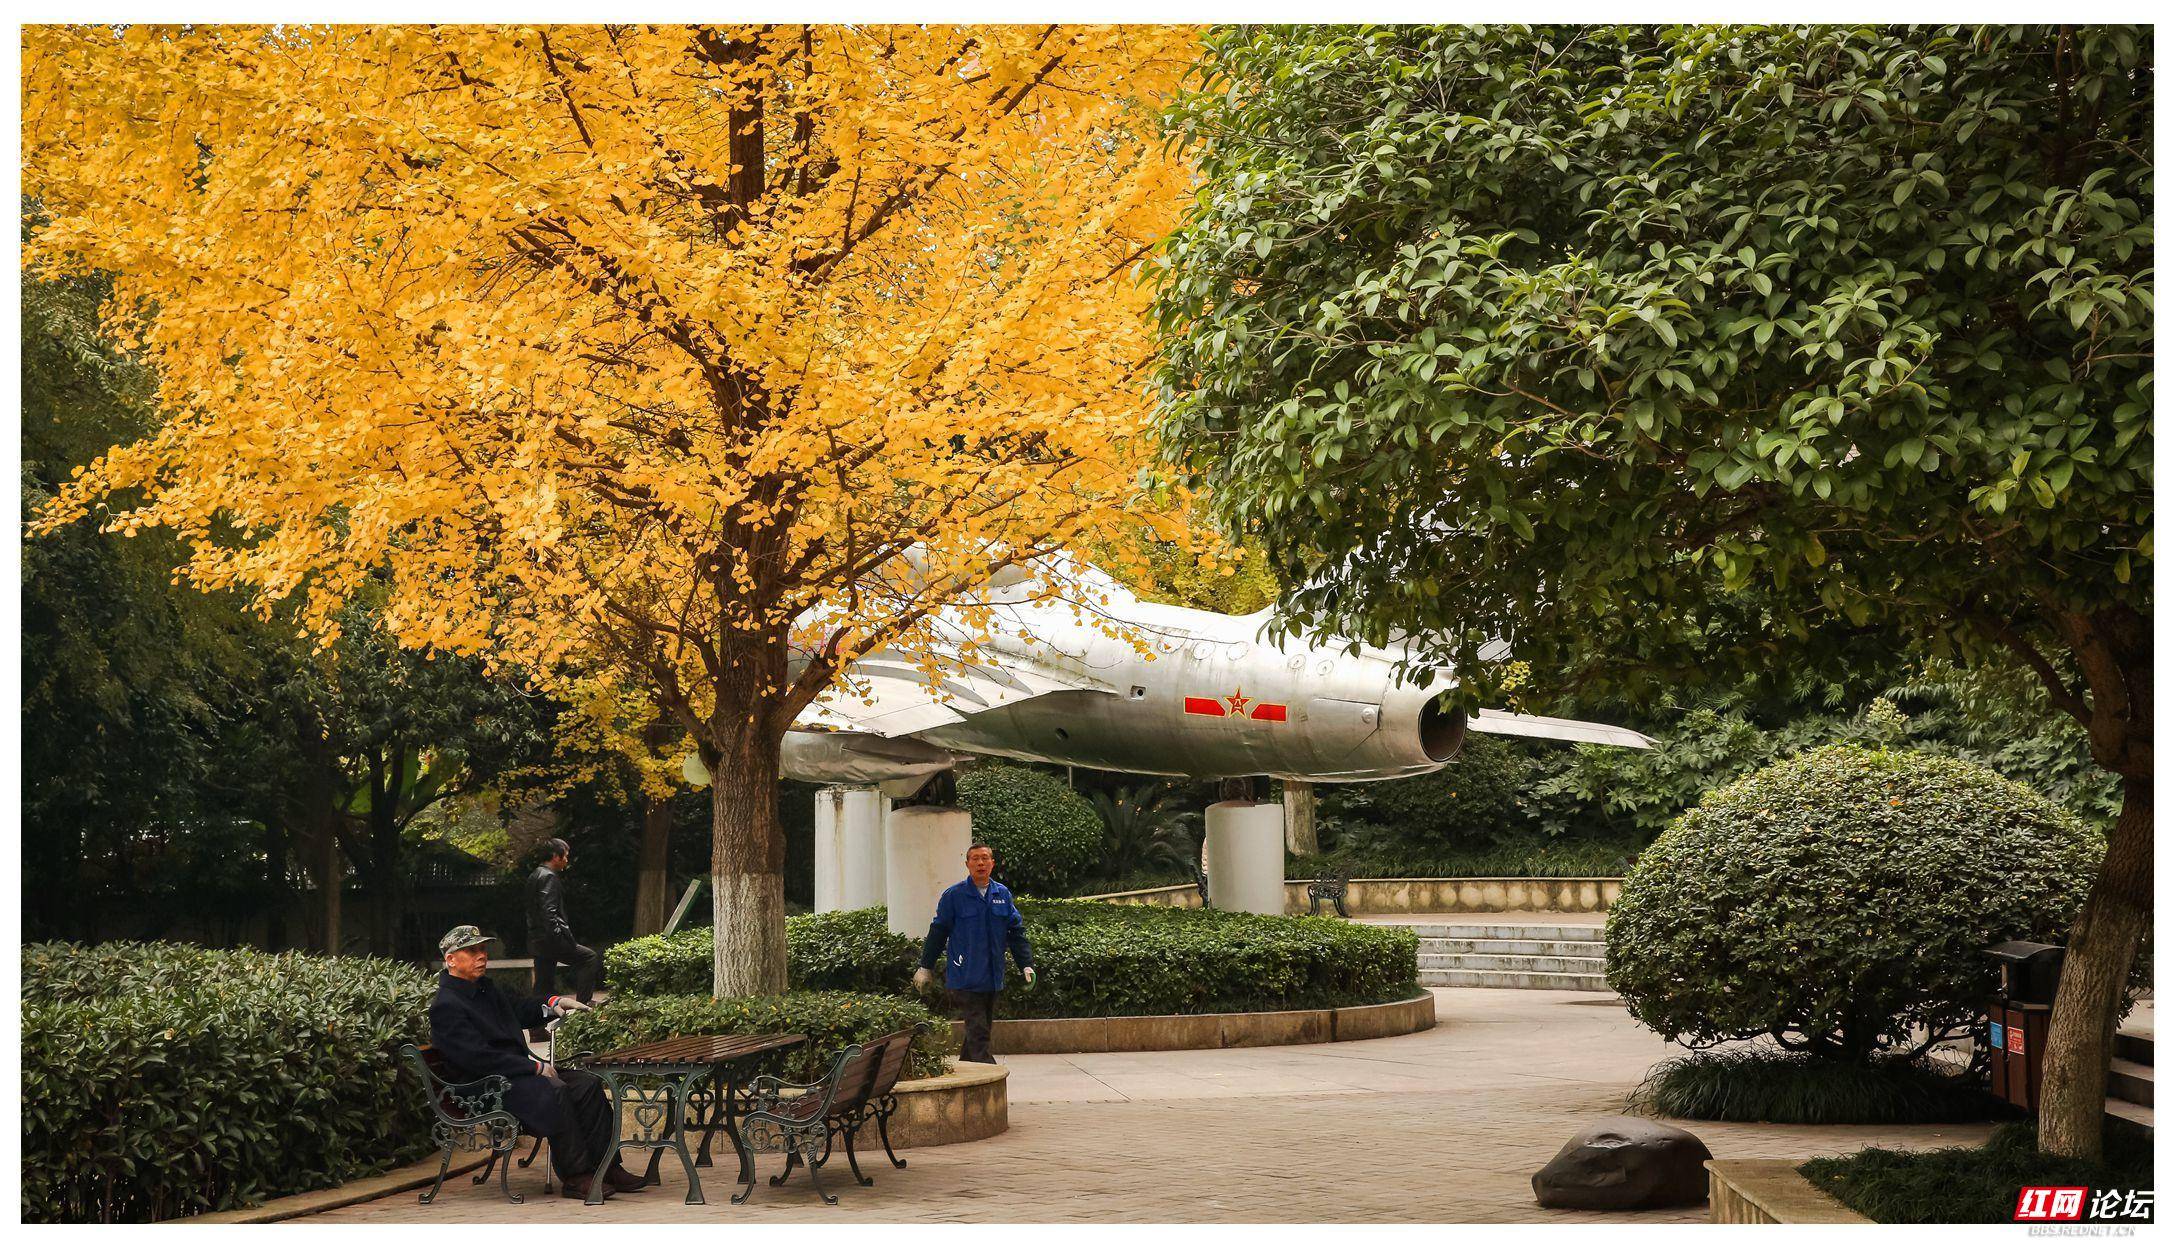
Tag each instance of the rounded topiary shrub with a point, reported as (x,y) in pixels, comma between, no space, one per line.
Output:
(1839,899)
(1046,836)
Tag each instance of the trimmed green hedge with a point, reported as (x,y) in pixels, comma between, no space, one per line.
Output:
(1046,837)
(830,1020)
(838,951)
(1092,959)
(162,1080)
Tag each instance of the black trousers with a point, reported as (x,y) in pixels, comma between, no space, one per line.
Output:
(581,959)
(974,1009)
(585,1129)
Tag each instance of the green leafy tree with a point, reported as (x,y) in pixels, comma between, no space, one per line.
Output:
(1716,347)
(142,793)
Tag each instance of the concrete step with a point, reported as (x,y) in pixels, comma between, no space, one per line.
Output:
(1510,962)
(1549,948)
(1498,931)
(2130,1111)
(2130,1081)
(2130,1046)
(1512,979)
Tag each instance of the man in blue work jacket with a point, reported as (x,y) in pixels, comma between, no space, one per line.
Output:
(975,924)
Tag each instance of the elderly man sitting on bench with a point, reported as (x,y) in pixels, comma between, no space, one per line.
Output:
(478,1029)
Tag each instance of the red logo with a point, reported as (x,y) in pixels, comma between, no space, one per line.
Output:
(2050,1204)
(1235,704)
(2014,1041)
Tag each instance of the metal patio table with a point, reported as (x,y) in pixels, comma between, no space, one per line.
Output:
(671,1086)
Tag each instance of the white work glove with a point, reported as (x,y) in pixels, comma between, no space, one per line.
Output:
(563,1006)
(1028,973)
(922,976)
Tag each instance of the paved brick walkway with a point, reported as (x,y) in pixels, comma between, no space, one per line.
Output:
(1445,1126)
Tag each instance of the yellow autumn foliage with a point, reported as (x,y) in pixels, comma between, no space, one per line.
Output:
(631,342)
(696,361)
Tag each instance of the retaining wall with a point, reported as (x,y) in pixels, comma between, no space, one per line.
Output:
(1466,895)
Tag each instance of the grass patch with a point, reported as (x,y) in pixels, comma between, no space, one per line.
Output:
(1972,1184)
(1763,1085)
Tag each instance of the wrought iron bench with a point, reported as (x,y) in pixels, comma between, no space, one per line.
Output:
(881,1104)
(797,1117)
(876,1104)
(470,1116)
(1329,886)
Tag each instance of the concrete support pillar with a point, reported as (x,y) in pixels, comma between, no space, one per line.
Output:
(925,852)
(850,847)
(1246,843)
(1299,837)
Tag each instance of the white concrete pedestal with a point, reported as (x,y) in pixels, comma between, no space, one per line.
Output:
(850,847)
(925,852)
(1245,844)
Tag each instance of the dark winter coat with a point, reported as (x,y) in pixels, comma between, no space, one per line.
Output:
(477,1028)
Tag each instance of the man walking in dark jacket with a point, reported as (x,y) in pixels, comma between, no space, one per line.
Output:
(477,1029)
(975,924)
(551,937)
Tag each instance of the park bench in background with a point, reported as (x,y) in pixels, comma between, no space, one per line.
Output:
(1329,886)
(470,1116)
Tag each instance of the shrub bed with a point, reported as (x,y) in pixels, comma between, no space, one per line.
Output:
(830,1020)
(1093,959)
(161,1081)
(1974,1184)
(1763,1085)
(837,951)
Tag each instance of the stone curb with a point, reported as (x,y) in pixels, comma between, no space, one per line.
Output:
(1766,1192)
(1144,1033)
(406,1179)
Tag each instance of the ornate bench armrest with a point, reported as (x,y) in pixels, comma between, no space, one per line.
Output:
(475,1098)
(768,1092)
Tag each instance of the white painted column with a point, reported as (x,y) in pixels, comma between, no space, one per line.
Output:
(850,847)
(925,852)
(1245,843)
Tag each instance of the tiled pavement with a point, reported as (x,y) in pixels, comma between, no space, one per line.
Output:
(1444,1126)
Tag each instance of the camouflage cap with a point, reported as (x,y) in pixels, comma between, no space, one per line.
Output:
(466,936)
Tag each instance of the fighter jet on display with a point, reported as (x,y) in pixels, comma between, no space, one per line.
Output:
(1063,679)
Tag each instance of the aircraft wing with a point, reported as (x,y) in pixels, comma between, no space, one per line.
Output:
(1549,728)
(886,696)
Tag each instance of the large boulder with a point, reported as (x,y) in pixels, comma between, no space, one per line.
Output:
(1625,1163)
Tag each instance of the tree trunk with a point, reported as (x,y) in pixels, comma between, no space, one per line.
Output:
(2087,1007)
(1299,834)
(650,901)
(747,865)
(277,893)
(332,887)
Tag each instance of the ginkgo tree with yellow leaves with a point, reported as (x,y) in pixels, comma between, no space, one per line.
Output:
(652,352)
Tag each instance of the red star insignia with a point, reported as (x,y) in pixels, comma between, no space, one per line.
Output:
(1238,701)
